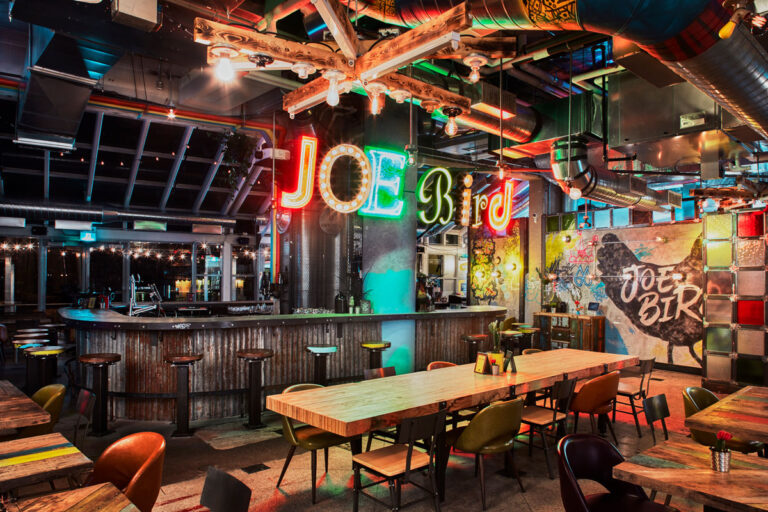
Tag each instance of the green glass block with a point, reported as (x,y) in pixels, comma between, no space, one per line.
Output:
(719,226)
(749,371)
(719,339)
(569,221)
(553,224)
(719,254)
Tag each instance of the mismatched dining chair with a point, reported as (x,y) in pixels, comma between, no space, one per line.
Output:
(133,464)
(377,373)
(633,385)
(694,400)
(590,457)
(84,412)
(657,409)
(395,464)
(223,492)
(436,365)
(51,399)
(549,420)
(596,399)
(388,435)
(307,437)
(456,416)
(492,430)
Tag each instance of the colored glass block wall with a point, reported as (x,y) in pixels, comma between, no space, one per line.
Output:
(735,348)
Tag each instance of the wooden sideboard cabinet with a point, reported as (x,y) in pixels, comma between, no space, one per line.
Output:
(566,330)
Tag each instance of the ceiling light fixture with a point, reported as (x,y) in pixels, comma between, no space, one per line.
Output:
(450,127)
(261,60)
(574,193)
(376,92)
(333,76)
(474,61)
(303,69)
(400,95)
(171,113)
(224,54)
(430,105)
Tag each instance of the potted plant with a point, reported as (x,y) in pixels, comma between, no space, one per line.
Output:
(721,455)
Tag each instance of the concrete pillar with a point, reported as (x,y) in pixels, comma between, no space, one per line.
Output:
(42,273)
(226,271)
(85,269)
(538,194)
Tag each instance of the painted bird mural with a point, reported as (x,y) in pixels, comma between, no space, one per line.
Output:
(664,301)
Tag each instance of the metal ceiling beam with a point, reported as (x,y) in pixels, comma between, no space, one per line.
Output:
(245,192)
(239,187)
(136,162)
(176,166)
(46,173)
(94,156)
(212,170)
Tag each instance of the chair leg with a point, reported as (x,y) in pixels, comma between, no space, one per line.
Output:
(531,433)
(325,454)
(634,415)
(575,422)
(614,411)
(610,427)
(433,480)
(546,454)
(370,440)
(314,476)
(509,459)
(667,500)
(392,495)
(398,491)
(652,497)
(356,488)
(477,463)
(482,480)
(285,464)
(592,422)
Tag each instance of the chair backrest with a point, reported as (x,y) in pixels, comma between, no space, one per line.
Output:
(377,373)
(589,457)
(134,464)
(421,428)
(694,400)
(506,325)
(646,369)
(497,420)
(562,394)
(656,409)
(596,392)
(3,333)
(289,432)
(51,399)
(527,351)
(436,365)
(223,492)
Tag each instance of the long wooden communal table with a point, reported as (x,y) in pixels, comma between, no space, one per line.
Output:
(37,459)
(743,413)
(103,497)
(353,409)
(681,467)
(17,409)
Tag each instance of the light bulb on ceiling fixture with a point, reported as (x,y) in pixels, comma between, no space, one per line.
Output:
(303,69)
(574,193)
(474,61)
(333,76)
(450,127)
(376,92)
(224,55)
(171,113)
(501,171)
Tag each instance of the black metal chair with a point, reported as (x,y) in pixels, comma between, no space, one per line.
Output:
(389,435)
(633,386)
(223,492)
(657,409)
(395,464)
(84,412)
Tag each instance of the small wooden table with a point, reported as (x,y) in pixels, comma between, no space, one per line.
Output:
(743,413)
(17,409)
(39,459)
(681,467)
(103,497)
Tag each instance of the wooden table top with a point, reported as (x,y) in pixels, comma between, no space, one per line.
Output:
(681,467)
(18,410)
(103,497)
(352,409)
(38,459)
(743,413)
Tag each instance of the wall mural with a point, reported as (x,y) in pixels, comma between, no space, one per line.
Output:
(497,267)
(648,282)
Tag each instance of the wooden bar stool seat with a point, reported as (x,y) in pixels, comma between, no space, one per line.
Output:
(100,363)
(375,348)
(41,365)
(321,354)
(255,358)
(472,341)
(182,362)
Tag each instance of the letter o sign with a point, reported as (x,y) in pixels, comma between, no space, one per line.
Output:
(324,178)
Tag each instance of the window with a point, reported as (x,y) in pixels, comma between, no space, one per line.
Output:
(451,239)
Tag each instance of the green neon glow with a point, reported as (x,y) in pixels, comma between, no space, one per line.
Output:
(442,189)
(386,196)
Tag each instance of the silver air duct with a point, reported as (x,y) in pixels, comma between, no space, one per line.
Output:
(574,173)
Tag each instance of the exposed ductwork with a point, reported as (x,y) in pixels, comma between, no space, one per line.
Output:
(580,179)
(520,128)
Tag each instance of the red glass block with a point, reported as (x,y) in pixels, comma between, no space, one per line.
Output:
(750,224)
(750,312)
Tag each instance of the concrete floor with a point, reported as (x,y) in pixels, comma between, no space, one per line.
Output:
(256,458)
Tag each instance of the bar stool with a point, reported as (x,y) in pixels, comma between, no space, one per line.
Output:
(53,331)
(321,354)
(509,339)
(375,348)
(100,364)
(255,357)
(23,341)
(182,362)
(528,333)
(472,340)
(41,365)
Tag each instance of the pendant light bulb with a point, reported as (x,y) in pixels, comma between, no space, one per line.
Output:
(333,93)
(171,113)
(375,104)
(450,128)
(474,76)
(224,70)
(574,194)
(501,172)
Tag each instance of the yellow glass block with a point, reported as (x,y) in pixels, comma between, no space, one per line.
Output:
(719,254)
(719,226)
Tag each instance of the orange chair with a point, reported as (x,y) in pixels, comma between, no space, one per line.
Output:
(436,365)
(596,397)
(134,464)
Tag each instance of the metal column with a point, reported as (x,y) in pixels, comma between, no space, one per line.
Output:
(226,271)
(42,274)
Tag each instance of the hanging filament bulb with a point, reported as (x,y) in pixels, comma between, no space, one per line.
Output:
(376,91)
(224,54)
(375,104)
(501,171)
(474,61)
(474,76)
(333,76)
(450,127)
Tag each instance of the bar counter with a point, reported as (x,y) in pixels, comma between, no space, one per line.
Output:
(142,385)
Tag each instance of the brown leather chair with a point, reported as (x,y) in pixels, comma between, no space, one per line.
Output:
(596,398)
(134,464)
(436,365)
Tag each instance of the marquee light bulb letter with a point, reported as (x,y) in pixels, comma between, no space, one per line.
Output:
(386,197)
(481,202)
(439,197)
(307,161)
(324,179)
(500,207)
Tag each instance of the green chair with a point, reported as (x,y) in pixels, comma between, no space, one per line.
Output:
(695,399)
(492,430)
(307,437)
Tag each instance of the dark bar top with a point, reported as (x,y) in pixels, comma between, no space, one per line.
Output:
(107,319)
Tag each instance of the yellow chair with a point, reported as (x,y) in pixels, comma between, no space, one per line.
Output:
(51,399)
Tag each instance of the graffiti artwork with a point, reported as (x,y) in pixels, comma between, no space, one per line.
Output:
(497,267)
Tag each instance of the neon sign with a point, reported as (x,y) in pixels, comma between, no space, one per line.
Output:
(324,178)
(466,199)
(386,197)
(307,159)
(500,207)
(439,198)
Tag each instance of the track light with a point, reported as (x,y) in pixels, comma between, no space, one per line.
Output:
(333,76)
